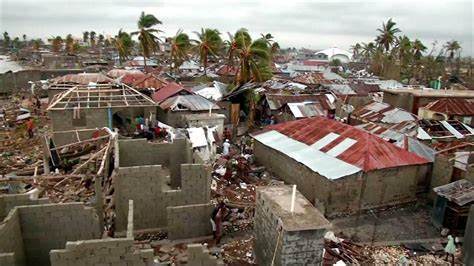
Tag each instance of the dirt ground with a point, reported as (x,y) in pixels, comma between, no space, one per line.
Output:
(394,225)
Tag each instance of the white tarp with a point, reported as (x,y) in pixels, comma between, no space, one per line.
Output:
(325,141)
(197,137)
(320,162)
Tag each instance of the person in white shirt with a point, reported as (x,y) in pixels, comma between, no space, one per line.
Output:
(226,147)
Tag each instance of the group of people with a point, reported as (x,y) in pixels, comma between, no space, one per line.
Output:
(149,129)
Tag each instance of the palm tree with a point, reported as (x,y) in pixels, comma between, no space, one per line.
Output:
(6,40)
(123,43)
(254,58)
(418,48)
(232,45)
(56,43)
(101,39)
(85,36)
(367,51)
(180,46)
(451,48)
(209,42)
(387,34)
(16,43)
(37,44)
(356,50)
(69,44)
(146,34)
(92,38)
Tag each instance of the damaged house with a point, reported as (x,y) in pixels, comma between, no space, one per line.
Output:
(77,111)
(449,109)
(66,82)
(339,168)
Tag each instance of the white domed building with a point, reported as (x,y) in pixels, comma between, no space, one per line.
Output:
(331,54)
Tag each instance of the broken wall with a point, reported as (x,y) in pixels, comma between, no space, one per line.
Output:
(11,240)
(119,251)
(189,221)
(146,186)
(198,255)
(136,152)
(50,226)
(10,201)
(442,172)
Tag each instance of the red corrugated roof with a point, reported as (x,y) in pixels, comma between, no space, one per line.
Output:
(368,153)
(149,81)
(129,79)
(171,89)
(312,79)
(452,106)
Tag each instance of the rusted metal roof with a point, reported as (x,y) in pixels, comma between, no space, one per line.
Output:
(307,109)
(171,89)
(149,82)
(382,113)
(227,70)
(315,78)
(117,72)
(276,101)
(188,103)
(129,79)
(460,192)
(347,143)
(82,79)
(452,106)
(363,89)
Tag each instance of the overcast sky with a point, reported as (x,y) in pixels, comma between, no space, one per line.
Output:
(312,24)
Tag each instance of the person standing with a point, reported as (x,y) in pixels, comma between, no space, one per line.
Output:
(450,249)
(30,126)
(226,147)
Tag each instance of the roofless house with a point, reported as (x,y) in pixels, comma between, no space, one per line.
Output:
(77,112)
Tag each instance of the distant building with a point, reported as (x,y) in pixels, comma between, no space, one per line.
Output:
(448,109)
(334,53)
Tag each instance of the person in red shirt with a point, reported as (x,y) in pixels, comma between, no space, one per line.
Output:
(30,126)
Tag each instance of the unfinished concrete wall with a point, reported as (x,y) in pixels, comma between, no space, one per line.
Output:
(468,246)
(146,186)
(400,100)
(50,226)
(442,172)
(189,221)
(135,152)
(292,238)
(198,255)
(10,201)
(118,251)
(11,240)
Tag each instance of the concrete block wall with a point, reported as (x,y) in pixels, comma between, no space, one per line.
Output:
(442,172)
(189,221)
(145,185)
(50,226)
(11,241)
(286,239)
(10,201)
(135,152)
(198,255)
(118,251)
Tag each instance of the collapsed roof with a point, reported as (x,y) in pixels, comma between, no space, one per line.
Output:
(99,96)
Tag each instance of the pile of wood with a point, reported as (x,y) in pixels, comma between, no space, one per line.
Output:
(338,249)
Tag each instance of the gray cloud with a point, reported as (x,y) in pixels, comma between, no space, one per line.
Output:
(315,24)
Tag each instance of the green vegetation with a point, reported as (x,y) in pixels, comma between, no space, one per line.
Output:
(147,35)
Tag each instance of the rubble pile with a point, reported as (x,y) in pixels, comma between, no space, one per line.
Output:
(402,255)
(239,252)
(66,188)
(171,254)
(339,249)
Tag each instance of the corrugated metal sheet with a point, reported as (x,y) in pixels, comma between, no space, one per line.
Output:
(452,106)
(461,192)
(277,101)
(368,153)
(82,79)
(341,89)
(320,162)
(116,73)
(149,81)
(312,79)
(169,90)
(307,109)
(382,113)
(188,102)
